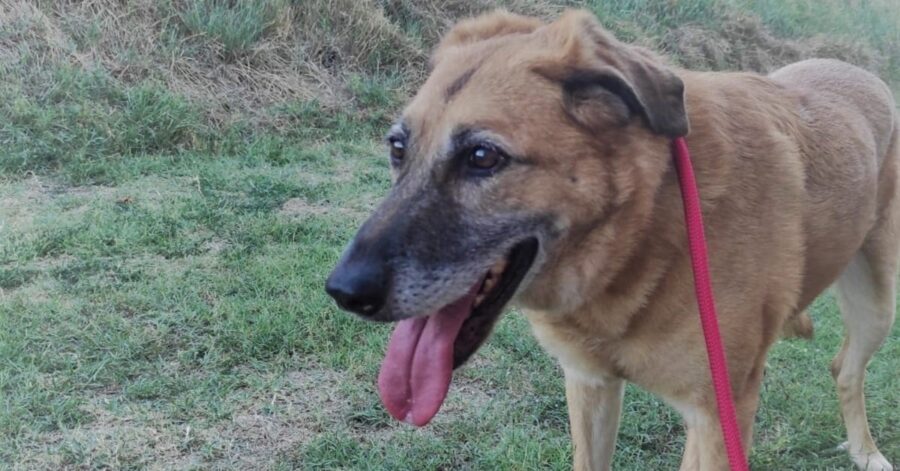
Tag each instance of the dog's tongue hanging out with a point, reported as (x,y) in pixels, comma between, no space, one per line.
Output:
(417,368)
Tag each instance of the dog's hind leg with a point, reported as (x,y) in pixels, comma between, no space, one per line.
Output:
(867,297)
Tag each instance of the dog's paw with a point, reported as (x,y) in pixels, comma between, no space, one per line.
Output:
(872,461)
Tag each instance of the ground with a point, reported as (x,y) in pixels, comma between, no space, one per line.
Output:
(177,178)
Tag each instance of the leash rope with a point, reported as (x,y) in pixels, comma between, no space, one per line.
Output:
(718,368)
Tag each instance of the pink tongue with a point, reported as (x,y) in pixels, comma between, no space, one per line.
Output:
(418,365)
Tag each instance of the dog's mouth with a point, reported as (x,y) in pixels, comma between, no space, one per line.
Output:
(424,351)
(497,288)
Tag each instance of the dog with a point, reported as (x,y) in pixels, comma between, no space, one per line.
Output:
(533,166)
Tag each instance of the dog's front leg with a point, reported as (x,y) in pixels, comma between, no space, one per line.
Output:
(594,410)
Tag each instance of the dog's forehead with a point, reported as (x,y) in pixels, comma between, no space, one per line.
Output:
(488,86)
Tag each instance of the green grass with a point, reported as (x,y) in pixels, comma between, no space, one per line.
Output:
(161,273)
(71,117)
(236,25)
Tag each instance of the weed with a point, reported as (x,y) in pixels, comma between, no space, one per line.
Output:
(236,25)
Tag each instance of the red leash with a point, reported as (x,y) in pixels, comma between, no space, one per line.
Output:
(718,368)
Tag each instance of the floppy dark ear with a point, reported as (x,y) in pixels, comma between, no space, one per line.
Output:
(657,90)
(594,58)
(595,99)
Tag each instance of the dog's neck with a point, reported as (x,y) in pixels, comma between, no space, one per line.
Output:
(626,265)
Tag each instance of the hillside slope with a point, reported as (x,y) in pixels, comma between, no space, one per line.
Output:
(109,71)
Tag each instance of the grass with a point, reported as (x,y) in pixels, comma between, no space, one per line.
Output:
(234,25)
(169,210)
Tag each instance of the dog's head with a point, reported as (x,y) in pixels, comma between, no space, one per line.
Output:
(526,139)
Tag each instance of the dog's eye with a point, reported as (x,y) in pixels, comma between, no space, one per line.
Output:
(484,158)
(397,150)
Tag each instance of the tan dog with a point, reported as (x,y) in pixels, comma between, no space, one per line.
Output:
(535,161)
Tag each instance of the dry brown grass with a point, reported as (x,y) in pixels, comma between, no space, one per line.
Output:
(742,42)
(310,50)
(260,429)
(301,57)
(266,424)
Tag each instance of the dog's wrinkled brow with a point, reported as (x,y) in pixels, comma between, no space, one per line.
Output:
(459,83)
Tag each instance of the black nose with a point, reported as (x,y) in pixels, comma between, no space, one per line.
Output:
(358,286)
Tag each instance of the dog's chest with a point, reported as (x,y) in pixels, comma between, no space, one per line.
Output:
(664,365)
(579,355)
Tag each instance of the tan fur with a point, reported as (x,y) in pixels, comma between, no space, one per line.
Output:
(798,175)
(799,325)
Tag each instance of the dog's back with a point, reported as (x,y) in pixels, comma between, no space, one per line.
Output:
(847,136)
(849,143)
(837,94)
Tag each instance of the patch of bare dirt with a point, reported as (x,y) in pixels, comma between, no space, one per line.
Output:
(299,208)
(21,202)
(111,441)
(311,402)
(302,407)
(294,411)
(215,246)
(89,191)
(267,424)
(467,393)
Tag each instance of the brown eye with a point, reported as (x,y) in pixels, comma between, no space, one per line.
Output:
(484,158)
(397,151)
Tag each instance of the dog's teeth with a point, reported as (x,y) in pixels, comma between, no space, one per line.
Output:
(490,280)
(488,284)
(498,268)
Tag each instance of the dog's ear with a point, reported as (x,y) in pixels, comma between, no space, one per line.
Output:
(593,60)
(480,28)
